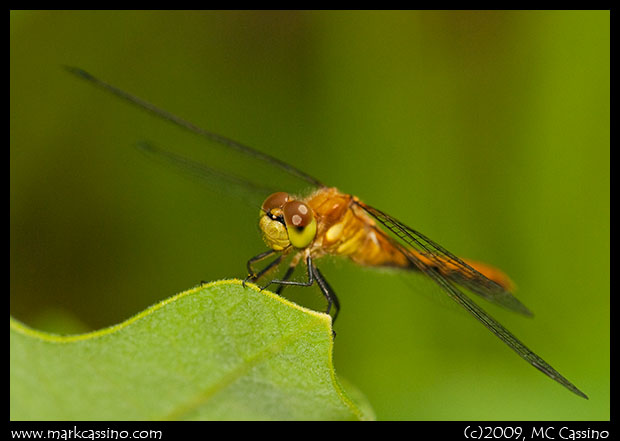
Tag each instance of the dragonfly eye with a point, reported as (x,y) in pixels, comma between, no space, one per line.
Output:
(272,222)
(276,200)
(286,222)
(300,223)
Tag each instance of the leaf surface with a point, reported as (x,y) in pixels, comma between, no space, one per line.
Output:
(215,352)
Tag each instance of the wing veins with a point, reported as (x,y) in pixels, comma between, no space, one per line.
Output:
(184,124)
(467,276)
(500,331)
(253,193)
(410,237)
(429,248)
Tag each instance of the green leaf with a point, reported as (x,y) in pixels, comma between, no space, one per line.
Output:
(217,352)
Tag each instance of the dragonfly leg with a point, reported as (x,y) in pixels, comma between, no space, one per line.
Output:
(328,292)
(292,282)
(313,274)
(261,273)
(252,275)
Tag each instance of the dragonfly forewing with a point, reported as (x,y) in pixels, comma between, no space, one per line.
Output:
(430,254)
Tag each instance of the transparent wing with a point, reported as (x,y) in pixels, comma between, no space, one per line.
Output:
(430,257)
(506,336)
(252,159)
(430,254)
(252,193)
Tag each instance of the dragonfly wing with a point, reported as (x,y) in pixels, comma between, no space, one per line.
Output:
(430,254)
(253,193)
(500,297)
(506,336)
(222,141)
(429,258)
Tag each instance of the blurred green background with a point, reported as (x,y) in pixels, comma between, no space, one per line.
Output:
(487,131)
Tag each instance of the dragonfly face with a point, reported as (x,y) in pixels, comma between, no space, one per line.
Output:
(328,222)
(286,222)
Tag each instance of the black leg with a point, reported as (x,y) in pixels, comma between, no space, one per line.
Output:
(251,273)
(328,292)
(262,272)
(313,273)
(292,282)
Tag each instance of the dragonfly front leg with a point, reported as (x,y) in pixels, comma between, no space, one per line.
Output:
(252,275)
(313,274)
(283,282)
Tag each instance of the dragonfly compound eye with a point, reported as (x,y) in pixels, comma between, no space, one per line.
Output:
(300,223)
(272,221)
(276,200)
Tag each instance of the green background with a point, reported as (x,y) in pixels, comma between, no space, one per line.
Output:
(487,131)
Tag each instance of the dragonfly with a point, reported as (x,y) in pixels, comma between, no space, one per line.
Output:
(330,222)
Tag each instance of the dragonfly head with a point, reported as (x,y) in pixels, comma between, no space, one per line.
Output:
(285,221)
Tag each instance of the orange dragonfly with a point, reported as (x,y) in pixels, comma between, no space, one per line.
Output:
(329,222)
